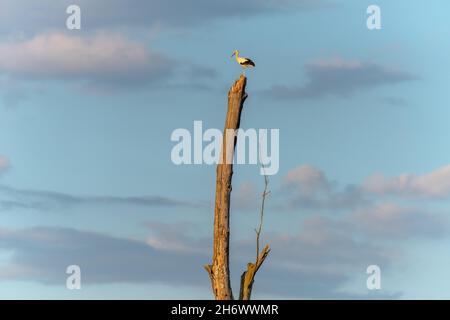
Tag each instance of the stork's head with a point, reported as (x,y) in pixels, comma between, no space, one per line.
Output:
(236,52)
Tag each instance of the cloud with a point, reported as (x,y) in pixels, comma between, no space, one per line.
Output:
(323,240)
(102,63)
(388,220)
(96,58)
(341,78)
(307,179)
(12,198)
(176,237)
(4,163)
(43,254)
(435,184)
(319,261)
(102,59)
(29,15)
(329,252)
(307,186)
(313,264)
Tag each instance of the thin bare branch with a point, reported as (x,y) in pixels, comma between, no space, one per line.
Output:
(261,213)
(248,276)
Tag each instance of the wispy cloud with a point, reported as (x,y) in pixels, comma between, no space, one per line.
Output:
(13,198)
(341,78)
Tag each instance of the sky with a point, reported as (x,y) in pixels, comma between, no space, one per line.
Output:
(86,176)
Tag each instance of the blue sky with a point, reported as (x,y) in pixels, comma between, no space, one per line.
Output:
(86,176)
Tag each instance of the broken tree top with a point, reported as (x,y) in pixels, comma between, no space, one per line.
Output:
(239,85)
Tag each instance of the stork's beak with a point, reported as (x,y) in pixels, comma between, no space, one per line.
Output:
(233,54)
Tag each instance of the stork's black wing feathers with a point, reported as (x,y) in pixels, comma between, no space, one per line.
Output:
(248,62)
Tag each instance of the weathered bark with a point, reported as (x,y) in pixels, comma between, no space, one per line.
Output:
(219,270)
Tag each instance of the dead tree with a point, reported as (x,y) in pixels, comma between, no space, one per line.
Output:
(219,270)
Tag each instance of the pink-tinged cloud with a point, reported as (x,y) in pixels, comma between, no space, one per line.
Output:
(308,186)
(435,184)
(175,237)
(102,58)
(389,220)
(4,163)
(307,179)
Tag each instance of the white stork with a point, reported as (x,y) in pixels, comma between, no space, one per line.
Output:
(243,62)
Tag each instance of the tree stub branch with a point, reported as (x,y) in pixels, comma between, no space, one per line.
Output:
(248,276)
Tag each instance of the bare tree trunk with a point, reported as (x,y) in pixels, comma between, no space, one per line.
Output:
(219,270)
